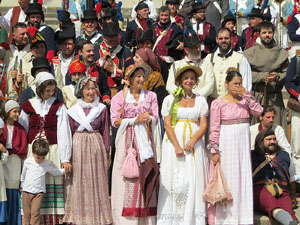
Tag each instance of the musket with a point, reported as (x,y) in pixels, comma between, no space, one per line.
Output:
(16,63)
(236,16)
(21,83)
(279,25)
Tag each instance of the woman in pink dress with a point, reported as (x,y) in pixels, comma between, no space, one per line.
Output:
(135,112)
(230,145)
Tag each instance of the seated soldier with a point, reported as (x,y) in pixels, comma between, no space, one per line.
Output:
(270,165)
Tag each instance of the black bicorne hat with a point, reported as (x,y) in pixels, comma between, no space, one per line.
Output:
(111,28)
(145,35)
(256,12)
(67,33)
(191,41)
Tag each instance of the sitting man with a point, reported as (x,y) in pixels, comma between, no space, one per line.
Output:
(278,205)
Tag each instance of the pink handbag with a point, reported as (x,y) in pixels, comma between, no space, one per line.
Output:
(217,189)
(130,168)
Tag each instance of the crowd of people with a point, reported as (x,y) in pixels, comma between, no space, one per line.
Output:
(106,122)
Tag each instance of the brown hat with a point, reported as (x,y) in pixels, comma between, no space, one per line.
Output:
(186,67)
(132,68)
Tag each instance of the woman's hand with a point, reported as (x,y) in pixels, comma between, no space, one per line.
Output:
(143,118)
(189,146)
(242,91)
(179,152)
(215,158)
(67,166)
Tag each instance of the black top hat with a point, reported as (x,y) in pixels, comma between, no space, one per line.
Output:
(36,39)
(38,63)
(34,8)
(111,28)
(228,17)
(256,12)
(196,6)
(110,13)
(141,5)
(89,14)
(172,2)
(67,23)
(145,35)
(105,4)
(65,34)
(191,41)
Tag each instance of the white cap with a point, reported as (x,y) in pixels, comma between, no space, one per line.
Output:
(43,76)
(11,104)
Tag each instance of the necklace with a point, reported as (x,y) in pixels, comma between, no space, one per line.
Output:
(187,97)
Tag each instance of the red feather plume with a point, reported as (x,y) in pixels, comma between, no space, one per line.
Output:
(31,31)
(50,55)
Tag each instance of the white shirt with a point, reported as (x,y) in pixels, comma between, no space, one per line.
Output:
(33,175)
(64,135)
(64,66)
(5,20)
(10,129)
(282,143)
(199,30)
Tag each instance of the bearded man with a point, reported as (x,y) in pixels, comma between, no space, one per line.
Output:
(269,63)
(270,165)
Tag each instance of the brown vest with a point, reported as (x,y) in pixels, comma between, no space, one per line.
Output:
(14,19)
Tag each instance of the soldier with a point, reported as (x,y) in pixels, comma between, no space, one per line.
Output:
(250,34)
(142,21)
(90,22)
(35,18)
(229,22)
(168,37)
(224,58)
(114,58)
(13,16)
(203,29)
(14,58)
(66,41)
(269,64)
(174,15)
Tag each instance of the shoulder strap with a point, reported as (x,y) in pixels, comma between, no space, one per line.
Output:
(263,164)
(162,34)
(283,170)
(297,67)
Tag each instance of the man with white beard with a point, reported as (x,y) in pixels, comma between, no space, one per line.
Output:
(192,49)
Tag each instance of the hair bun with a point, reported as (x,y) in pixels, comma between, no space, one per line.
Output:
(232,69)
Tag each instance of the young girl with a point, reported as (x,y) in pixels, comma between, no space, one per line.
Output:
(15,140)
(45,115)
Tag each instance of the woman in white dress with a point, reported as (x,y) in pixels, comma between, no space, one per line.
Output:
(184,167)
